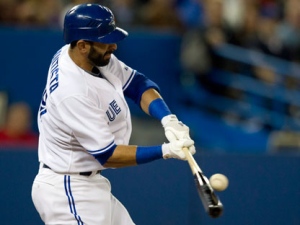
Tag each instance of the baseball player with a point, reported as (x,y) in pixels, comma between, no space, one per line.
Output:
(85,123)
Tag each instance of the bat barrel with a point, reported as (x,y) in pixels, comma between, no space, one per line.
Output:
(210,200)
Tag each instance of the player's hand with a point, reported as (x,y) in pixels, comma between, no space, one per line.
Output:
(174,149)
(175,129)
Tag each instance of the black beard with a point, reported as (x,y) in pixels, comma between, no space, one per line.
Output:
(96,58)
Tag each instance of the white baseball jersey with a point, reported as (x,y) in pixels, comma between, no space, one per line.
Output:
(82,114)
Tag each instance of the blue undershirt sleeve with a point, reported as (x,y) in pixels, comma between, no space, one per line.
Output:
(143,154)
(103,157)
(139,84)
(159,109)
(148,153)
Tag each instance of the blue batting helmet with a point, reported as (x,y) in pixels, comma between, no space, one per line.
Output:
(91,22)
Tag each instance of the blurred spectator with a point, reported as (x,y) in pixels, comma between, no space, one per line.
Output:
(246,34)
(32,13)
(267,38)
(125,12)
(292,83)
(197,49)
(17,131)
(7,7)
(289,29)
(191,13)
(233,13)
(160,15)
(3,106)
(257,29)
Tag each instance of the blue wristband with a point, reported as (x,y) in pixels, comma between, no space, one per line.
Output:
(158,109)
(148,153)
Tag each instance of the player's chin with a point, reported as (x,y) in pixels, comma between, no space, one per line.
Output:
(103,62)
(107,56)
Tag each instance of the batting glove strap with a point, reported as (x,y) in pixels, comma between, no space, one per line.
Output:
(174,149)
(175,129)
(168,118)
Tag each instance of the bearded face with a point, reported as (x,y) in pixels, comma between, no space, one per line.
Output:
(99,59)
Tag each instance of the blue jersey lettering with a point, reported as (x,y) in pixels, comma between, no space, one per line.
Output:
(113,110)
(54,69)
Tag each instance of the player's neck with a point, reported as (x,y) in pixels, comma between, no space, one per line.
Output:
(80,61)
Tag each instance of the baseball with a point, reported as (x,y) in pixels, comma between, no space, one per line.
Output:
(219,182)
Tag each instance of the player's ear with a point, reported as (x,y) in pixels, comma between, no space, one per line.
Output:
(83,46)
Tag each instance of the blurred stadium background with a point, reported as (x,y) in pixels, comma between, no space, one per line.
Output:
(228,68)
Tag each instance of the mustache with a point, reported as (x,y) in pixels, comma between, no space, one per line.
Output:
(109,52)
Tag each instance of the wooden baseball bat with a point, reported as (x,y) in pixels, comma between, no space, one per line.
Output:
(210,200)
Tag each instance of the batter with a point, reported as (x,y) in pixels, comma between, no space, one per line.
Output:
(85,124)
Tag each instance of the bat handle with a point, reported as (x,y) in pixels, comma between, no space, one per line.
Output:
(193,164)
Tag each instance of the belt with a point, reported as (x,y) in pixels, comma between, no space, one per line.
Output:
(88,173)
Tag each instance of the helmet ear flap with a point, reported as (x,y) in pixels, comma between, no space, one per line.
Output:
(91,22)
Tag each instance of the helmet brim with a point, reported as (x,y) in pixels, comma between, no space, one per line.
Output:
(113,37)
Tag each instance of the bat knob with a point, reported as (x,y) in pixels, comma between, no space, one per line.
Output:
(215,210)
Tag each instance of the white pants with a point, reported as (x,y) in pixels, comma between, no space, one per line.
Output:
(76,199)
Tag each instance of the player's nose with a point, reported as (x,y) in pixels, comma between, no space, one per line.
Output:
(113,47)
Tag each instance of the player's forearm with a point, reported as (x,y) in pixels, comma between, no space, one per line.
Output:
(123,155)
(130,155)
(147,97)
(153,104)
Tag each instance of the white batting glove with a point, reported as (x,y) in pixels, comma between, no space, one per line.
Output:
(174,149)
(175,129)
